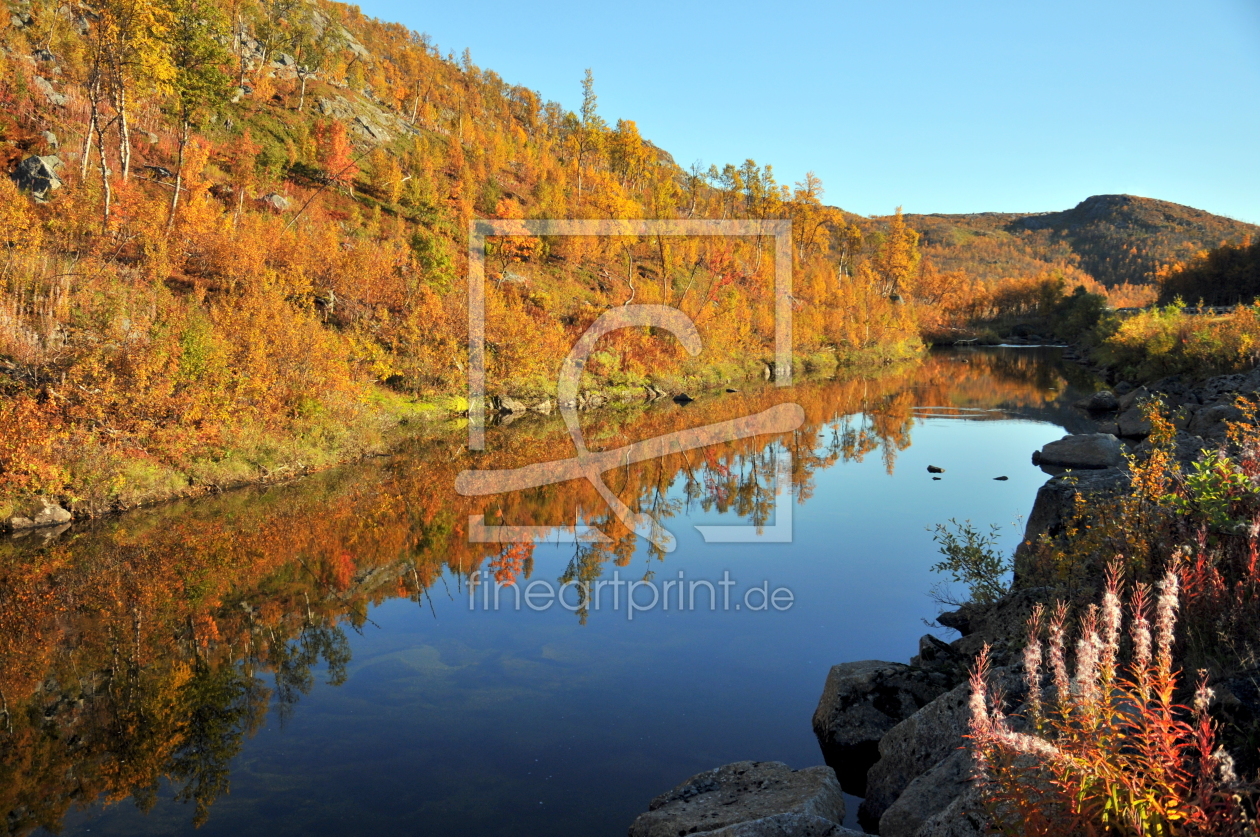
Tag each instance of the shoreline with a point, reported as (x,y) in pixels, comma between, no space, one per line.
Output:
(395,425)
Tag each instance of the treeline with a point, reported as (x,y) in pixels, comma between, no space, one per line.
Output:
(1227,275)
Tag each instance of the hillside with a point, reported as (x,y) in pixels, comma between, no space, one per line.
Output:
(1116,239)
(235,236)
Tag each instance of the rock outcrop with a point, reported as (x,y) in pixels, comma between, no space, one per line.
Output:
(749,799)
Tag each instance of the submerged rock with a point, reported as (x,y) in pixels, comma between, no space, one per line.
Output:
(749,799)
(860,703)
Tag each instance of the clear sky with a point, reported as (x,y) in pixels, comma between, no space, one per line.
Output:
(940,106)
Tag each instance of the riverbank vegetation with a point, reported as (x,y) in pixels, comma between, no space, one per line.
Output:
(1115,748)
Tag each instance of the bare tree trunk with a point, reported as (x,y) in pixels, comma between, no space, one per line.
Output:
(87,140)
(119,91)
(124,133)
(302,97)
(179,175)
(104,169)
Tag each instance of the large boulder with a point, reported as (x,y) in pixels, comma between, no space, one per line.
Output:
(38,175)
(507,404)
(749,799)
(912,748)
(37,514)
(276,202)
(927,796)
(1093,451)
(860,703)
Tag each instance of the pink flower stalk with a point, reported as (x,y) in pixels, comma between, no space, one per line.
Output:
(1165,622)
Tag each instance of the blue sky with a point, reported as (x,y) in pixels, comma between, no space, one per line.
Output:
(936,106)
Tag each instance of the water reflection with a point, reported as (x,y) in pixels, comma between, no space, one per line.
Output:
(137,657)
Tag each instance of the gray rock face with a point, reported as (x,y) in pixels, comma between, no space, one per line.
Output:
(38,514)
(45,87)
(927,796)
(860,703)
(38,175)
(912,748)
(748,799)
(1089,450)
(1056,499)
(50,139)
(964,817)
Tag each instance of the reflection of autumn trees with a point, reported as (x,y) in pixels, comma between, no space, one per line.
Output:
(150,648)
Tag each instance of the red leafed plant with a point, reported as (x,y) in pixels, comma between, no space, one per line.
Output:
(1106,751)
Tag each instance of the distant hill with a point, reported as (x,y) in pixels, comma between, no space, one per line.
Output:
(1113,238)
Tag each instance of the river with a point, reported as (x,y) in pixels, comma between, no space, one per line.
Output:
(326,656)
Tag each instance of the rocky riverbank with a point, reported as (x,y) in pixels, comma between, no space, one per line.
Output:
(893,733)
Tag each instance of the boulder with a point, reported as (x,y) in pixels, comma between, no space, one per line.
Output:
(1103,401)
(50,140)
(912,748)
(1056,500)
(927,796)
(545,407)
(1132,424)
(1209,422)
(936,654)
(999,625)
(860,703)
(507,404)
(1132,398)
(50,93)
(37,514)
(277,202)
(748,799)
(38,175)
(1186,447)
(964,817)
(1093,451)
(958,620)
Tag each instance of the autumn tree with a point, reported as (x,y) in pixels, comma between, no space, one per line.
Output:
(898,257)
(336,154)
(200,84)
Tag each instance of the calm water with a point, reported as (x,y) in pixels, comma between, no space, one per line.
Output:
(305,660)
